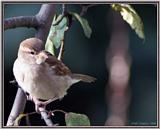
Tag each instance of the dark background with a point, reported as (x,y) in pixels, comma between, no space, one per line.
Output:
(87,56)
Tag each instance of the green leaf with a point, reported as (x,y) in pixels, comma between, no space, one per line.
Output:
(49,46)
(56,20)
(131,17)
(74,119)
(84,23)
(56,33)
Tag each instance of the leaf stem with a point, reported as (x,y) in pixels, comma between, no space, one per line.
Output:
(85,8)
(63,9)
(58,110)
(61,51)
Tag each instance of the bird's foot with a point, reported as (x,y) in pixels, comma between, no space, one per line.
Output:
(40,104)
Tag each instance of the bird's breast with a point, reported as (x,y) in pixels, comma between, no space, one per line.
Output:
(40,81)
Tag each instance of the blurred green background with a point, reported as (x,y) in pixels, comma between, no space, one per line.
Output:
(87,56)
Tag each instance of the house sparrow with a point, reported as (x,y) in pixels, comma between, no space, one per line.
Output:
(41,74)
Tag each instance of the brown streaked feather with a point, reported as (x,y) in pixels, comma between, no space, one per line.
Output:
(58,66)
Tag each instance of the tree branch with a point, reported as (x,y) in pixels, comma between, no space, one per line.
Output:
(21,21)
(18,107)
(45,17)
(42,21)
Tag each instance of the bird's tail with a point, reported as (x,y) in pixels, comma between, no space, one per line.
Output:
(82,77)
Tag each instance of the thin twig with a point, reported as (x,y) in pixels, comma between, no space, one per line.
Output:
(62,43)
(13,82)
(63,9)
(85,8)
(45,113)
(28,123)
(58,110)
(45,116)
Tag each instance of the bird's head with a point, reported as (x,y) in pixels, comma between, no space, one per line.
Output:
(29,50)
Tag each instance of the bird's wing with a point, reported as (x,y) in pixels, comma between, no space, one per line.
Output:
(62,70)
(59,67)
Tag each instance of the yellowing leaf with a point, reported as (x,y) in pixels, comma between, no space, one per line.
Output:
(131,17)
(18,119)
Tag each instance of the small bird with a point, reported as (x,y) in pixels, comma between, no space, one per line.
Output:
(42,75)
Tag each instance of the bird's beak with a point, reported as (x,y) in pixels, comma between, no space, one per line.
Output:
(41,58)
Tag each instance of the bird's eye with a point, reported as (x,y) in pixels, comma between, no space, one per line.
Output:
(32,52)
